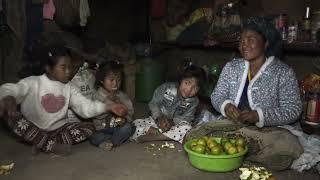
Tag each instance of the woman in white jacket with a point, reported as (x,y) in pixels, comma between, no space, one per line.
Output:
(44,101)
(258,88)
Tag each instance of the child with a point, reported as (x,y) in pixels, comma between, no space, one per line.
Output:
(44,101)
(172,108)
(112,129)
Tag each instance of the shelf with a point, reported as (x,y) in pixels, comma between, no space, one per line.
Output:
(305,48)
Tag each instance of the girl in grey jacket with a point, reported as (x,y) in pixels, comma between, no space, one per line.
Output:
(172,109)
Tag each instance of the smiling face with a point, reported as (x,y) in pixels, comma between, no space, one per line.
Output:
(61,71)
(112,81)
(188,87)
(252,45)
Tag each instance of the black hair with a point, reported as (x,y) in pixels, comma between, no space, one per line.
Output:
(270,34)
(193,71)
(40,57)
(105,68)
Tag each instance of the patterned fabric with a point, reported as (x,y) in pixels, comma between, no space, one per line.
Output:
(70,133)
(176,132)
(268,31)
(273,92)
(167,102)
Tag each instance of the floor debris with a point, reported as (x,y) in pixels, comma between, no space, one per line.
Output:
(160,149)
(6,169)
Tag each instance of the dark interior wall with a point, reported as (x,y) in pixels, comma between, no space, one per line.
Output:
(294,8)
(118,20)
(301,63)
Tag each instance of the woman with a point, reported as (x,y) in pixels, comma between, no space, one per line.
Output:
(258,88)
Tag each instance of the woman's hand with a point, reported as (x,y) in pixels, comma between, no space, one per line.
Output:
(165,124)
(119,109)
(249,117)
(232,112)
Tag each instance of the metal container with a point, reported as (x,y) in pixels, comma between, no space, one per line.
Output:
(312,108)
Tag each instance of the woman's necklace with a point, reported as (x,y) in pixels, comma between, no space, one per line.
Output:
(249,75)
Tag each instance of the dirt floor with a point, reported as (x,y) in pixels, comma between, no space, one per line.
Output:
(130,161)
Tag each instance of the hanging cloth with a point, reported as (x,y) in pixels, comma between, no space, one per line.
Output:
(49,10)
(84,12)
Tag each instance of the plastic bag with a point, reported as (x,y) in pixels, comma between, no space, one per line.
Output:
(311,146)
(205,116)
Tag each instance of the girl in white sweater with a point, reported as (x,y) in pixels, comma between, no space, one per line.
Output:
(44,101)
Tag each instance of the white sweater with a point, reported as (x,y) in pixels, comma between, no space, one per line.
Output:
(45,102)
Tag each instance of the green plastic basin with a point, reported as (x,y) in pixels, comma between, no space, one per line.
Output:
(215,163)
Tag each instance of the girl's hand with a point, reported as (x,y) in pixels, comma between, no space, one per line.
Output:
(119,109)
(249,117)
(165,124)
(232,112)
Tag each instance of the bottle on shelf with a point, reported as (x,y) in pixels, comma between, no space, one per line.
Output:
(306,26)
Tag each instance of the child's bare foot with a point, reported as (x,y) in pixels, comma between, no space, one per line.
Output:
(106,146)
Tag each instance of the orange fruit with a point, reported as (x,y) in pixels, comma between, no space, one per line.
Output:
(201,142)
(211,144)
(232,150)
(240,149)
(212,139)
(205,138)
(199,149)
(227,145)
(216,150)
(240,141)
(193,143)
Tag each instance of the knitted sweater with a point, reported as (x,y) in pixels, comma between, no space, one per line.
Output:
(273,92)
(45,102)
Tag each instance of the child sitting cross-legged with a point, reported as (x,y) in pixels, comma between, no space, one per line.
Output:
(44,100)
(112,130)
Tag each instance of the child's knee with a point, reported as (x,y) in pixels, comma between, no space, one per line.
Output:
(96,138)
(128,128)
